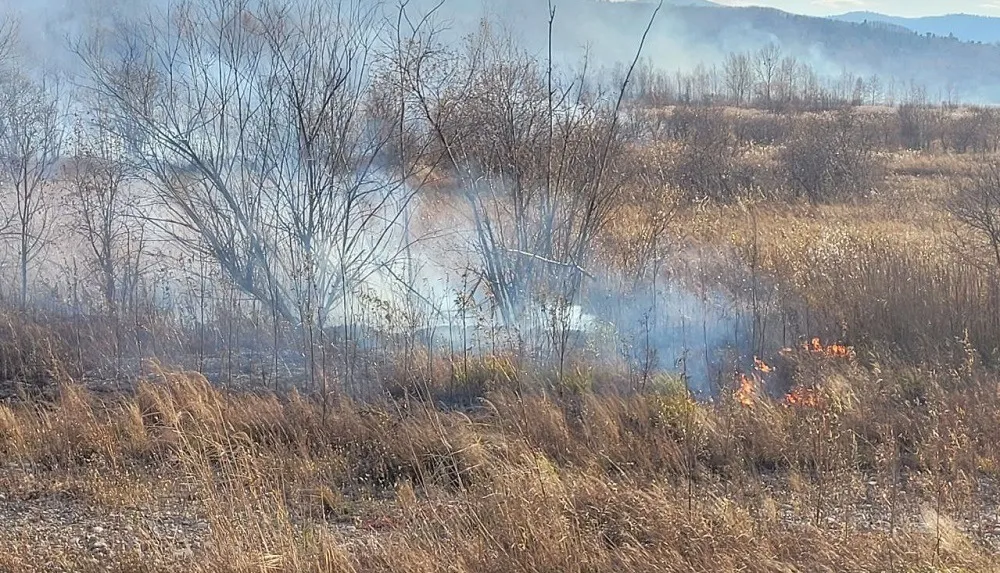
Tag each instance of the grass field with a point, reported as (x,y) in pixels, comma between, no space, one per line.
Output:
(862,432)
(867,464)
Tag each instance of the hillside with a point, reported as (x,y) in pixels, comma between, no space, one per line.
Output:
(689,35)
(965,27)
(696,3)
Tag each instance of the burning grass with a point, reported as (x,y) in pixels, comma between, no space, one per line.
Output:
(864,470)
(823,456)
(887,272)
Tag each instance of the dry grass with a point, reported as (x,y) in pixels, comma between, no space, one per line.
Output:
(887,272)
(892,464)
(583,483)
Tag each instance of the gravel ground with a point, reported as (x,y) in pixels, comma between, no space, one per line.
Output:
(61,521)
(51,522)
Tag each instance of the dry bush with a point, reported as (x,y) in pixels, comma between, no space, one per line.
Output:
(933,167)
(976,208)
(973,130)
(883,127)
(876,285)
(832,157)
(709,163)
(762,128)
(919,126)
(37,351)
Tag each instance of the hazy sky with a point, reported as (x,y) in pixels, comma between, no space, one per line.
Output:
(893,7)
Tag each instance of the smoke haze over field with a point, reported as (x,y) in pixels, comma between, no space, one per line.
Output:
(908,8)
(296,179)
(606,33)
(581,25)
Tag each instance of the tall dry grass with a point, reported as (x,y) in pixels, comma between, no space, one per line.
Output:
(652,482)
(888,461)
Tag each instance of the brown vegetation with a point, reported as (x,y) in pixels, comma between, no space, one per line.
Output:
(340,420)
(891,467)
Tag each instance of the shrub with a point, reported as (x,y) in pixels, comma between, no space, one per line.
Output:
(832,157)
(708,162)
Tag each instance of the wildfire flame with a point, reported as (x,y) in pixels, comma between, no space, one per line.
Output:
(804,397)
(746,386)
(838,350)
(761,366)
(816,346)
(745,390)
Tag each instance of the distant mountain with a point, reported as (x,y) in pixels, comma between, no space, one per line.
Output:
(684,36)
(695,3)
(966,27)
(686,33)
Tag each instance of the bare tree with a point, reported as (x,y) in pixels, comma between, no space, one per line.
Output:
(738,72)
(766,67)
(248,118)
(30,140)
(538,157)
(811,90)
(106,211)
(8,40)
(873,87)
(489,107)
(788,82)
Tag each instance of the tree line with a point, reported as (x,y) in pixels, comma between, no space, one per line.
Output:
(768,78)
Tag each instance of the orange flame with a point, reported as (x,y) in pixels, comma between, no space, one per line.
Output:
(804,397)
(745,391)
(816,346)
(838,350)
(761,366)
